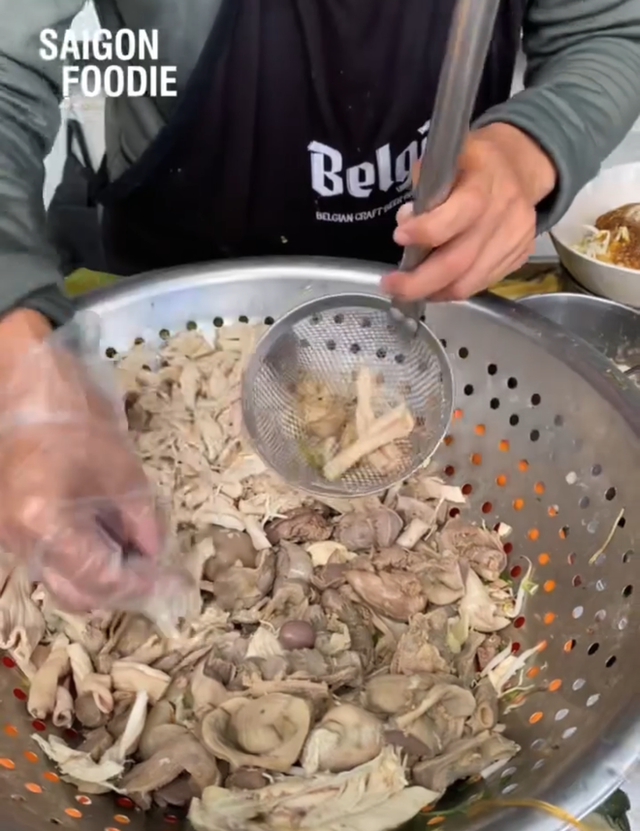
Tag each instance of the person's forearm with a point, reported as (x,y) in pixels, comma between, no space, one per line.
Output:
(582,91)
(29,121)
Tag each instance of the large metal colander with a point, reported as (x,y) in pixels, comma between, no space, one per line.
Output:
(546,439)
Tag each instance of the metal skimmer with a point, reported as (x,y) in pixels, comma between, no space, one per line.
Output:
(330,338)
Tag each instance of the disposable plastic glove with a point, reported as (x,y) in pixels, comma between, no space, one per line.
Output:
(74,501)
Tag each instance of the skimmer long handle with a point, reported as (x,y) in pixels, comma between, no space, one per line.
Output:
(467,48)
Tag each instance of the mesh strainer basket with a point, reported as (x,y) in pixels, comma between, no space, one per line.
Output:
(545,437)
(331,340)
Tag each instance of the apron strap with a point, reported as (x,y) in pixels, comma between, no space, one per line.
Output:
(96,179)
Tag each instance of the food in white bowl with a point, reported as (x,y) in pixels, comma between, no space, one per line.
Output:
(598,239)
(614,237)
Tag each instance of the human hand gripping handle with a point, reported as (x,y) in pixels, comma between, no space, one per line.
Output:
(73,495)
(476,194)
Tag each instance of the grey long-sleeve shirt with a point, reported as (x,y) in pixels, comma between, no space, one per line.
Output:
(582,96)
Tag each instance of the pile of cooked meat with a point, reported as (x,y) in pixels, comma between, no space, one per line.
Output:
(337,664)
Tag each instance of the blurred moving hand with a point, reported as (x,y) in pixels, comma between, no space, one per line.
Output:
(69,481)
(486,228)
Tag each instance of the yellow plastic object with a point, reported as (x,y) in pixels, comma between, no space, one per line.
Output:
(515,287)
(84,280)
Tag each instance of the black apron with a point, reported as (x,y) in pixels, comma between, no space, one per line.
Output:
(296,134)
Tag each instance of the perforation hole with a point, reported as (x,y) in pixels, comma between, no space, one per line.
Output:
(610,661)
(494,403)
(514,420)
(627,591)
(74,813)
(610,494)
(593,699)
(584,502)
(512,383)
(596,470)
(569,645)
(463,352)
(627,556)
(593,648)
(492,369)
(192,325)
(534,435)
(535,399)
(468,389)
(218,322)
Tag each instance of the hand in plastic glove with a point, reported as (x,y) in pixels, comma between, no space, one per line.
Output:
(69,481)
(486,228)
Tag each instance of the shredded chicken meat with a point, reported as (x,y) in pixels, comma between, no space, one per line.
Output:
(361,427)
(341,664)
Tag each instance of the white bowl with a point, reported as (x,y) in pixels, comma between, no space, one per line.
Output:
(613,187)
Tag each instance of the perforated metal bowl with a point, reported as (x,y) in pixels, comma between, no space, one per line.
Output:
(547,439)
